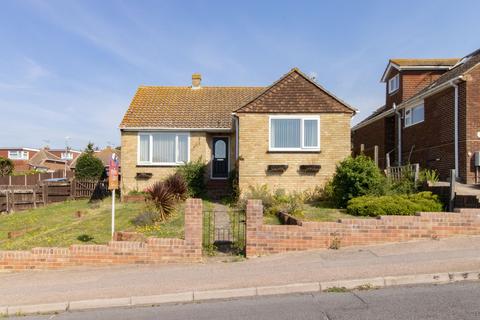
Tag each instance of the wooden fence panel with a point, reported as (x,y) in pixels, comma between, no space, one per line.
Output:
(398,173)
(4,181)
(14,198)
(18,180)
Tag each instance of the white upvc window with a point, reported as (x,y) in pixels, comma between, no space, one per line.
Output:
(394,84)
(66,156)
(18,155)
(414,115)
(294,133)
(163,148)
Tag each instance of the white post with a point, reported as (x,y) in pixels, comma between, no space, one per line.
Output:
(113,212)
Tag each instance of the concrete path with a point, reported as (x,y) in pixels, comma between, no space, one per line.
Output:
(451,301)
(222,223)
(431,256)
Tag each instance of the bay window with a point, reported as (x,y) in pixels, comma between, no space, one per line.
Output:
(163,148)
(294,133)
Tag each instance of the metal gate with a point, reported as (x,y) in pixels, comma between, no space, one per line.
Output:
(224,230)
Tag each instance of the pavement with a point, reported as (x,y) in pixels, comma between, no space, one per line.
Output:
(450,301)
(382,265)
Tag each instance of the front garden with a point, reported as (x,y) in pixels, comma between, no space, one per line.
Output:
(358,189)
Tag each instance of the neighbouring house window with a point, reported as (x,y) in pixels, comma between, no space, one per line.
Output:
(66,156)
(414,115)
(163,148)
(290,133)
(18,155)
(394,84)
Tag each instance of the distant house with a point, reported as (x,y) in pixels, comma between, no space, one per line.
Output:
(20,156)
(66,154)
(289,135)
(431,116)
(46,161)
(104,155)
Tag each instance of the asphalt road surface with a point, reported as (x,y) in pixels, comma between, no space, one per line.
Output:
(450,301)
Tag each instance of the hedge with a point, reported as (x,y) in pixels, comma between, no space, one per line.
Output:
(375,206)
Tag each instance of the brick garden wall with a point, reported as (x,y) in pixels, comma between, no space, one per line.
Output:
(151,251)
(269,239)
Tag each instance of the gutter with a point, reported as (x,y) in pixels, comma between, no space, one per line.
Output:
(455,124)
(175,129)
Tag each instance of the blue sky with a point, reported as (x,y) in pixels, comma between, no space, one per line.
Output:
(70,68)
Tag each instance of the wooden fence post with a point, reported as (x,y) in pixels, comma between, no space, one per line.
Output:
(72,189)
(7,199)
(45,193)
(34,191)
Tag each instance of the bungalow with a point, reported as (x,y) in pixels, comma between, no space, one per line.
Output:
(431,116)
(289,135)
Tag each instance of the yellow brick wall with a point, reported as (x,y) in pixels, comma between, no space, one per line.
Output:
(198,149)
(254,156)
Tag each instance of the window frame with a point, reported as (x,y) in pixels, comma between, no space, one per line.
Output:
(410,114)
(23,155)
(302,147)
(396,80)
(66,156)
(150,146)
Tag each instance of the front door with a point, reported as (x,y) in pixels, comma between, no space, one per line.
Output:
(220,158)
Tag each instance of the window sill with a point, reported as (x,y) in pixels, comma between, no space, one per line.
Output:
(413,124)
(294,151)
(158,165)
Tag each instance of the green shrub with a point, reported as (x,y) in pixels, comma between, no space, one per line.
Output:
(177,186)
(356,177)
(89,167)
(430,176)
(274,202)
(393,204)
(6,167)
(258,192)
(233,187)
(194,175)
(163,199)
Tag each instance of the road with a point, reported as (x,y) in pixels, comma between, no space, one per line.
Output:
(449,301)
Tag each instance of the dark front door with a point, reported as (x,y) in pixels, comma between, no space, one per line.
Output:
(220,157)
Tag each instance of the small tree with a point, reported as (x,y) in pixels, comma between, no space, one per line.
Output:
(90,167)
(6,167)
(356,177)
(90,148)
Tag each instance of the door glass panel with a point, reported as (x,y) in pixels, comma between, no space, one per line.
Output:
(220,149)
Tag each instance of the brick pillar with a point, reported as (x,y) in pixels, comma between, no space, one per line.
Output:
(193,226)
(254,223)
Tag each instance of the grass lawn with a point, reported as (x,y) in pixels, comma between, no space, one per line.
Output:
(57,225)
(320,211)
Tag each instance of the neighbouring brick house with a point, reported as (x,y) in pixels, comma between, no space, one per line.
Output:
(289,135)
(431,116)
(20,156)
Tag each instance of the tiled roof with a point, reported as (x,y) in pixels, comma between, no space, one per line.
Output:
(463,66)
(425,62)
(184,107)
(39,159)
(296,93)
